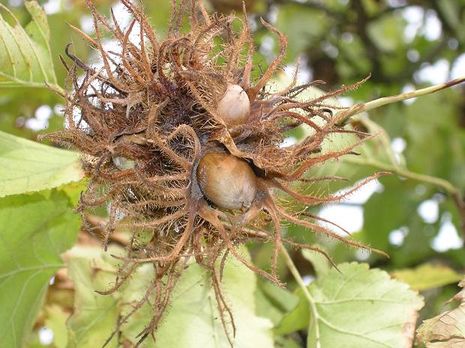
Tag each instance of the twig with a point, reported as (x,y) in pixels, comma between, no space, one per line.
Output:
(344,115)
(453,191)
(460,204)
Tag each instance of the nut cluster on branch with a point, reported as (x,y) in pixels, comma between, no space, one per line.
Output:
(204,142)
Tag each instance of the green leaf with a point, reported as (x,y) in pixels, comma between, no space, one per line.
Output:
(27,166)
(378,221)
(95,316)
(25,58)
(273,302)
(319,262)
(375,154)
(36,229)
(362,308)
(300,37)
(296,319)
(388,33)
(56,321)
(193,321)
(448,328)
(442,136)
(451,12)
(285,342)
(428,276)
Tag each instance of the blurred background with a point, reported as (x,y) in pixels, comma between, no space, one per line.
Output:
(413,216)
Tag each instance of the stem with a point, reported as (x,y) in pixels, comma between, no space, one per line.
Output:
(453,191)
(374,104)
(57,89)
(412,94)
(311,301)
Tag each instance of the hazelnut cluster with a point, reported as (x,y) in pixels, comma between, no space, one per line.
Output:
(184,145)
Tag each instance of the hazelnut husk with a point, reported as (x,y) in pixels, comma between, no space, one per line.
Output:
(208,170)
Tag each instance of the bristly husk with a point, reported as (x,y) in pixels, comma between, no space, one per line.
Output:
(146,117)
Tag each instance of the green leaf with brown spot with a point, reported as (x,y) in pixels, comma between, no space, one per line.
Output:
(447,330)
(428,276)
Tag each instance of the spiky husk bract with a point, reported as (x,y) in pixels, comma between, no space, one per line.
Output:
(148,115)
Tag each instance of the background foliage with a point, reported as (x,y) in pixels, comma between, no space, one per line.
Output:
(416,215)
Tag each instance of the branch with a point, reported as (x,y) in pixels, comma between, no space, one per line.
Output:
(344,115)
(453,191)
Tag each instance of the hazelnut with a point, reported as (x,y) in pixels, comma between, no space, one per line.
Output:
(227,181)
(234,106)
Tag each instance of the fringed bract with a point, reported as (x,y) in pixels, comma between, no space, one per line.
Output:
(146,119)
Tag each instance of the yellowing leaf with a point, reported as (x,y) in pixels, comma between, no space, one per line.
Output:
(27,166)
(193,321)
(56,321)
(95,316)
(428,276)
